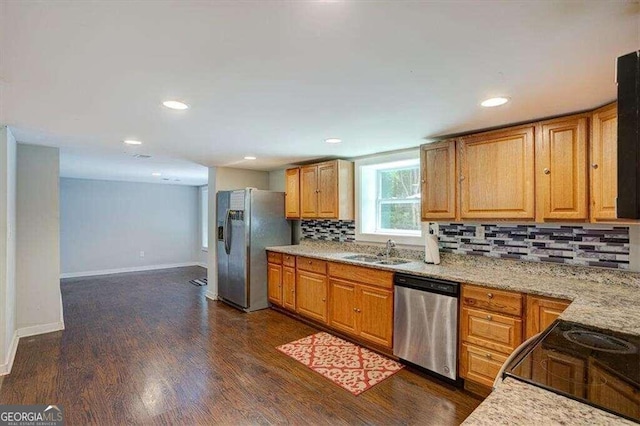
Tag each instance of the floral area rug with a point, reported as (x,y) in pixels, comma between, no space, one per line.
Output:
(350,366)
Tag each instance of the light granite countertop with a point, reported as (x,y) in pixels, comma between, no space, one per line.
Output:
(601,299)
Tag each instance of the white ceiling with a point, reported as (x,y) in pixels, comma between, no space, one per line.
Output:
(275,78)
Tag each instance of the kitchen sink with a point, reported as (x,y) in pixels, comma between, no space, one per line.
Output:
(375,259)
(363,258)
(392,262)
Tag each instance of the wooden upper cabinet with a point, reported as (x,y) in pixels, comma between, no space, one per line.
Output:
(542,312)
(309,191)
(326,190)
(604,163)
(438,166)
(496,172)
(561,169)
(292,194)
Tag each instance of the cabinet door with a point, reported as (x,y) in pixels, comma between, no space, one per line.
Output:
(604,163)
(541,312)
(342,308)
(328,190)
(309,191)
(480,365)
(311,295)
(292,194)
(561,169)
(274,283)
(289,288)
(375,315)
(497,175)
(438,165)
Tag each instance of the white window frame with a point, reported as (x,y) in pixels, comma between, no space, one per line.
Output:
(204,218)
(380,236)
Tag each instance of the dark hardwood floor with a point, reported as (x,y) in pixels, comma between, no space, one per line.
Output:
(149,348)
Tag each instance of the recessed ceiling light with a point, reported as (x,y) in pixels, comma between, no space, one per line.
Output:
(494,102)
(333,140)
(132,142)
(156,174)
(249,157)
(175,105)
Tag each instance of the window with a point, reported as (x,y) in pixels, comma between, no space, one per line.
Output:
(204,217)
(388,198)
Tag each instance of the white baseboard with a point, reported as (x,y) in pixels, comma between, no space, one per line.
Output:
(131,269)
(6,367)
(212,296)
(40,329)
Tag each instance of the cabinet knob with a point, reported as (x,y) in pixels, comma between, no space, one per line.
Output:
(293,291)
(488,356)
(489,317)
(355,310)
(490,295)
(310,262)
(324,299)
(594,165)
(546,171)
(423,181)
(358,310)
(461,178)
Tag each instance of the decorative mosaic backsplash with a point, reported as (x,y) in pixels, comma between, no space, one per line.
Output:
(329,230)
(575,245)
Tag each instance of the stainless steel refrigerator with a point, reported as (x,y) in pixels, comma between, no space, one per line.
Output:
(248,220)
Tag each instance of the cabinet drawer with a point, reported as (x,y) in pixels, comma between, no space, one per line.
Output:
(490,330)
(490,299)
(480,365)
(274,257)
(312,265)
(361,275)
(289,260)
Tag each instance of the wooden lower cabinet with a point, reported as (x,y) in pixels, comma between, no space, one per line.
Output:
(361,311)
(542,312)
(289,288)
(342,311)
(375,311)
(494,331)
(311,295)
(480,365)
(274,283)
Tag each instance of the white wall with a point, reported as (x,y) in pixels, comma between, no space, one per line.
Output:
(201,253)
(39,302)
(8,336)
(224,179)
(105,225)
(277,181)
(228,179)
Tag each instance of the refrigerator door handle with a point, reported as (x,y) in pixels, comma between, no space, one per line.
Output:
(227,233)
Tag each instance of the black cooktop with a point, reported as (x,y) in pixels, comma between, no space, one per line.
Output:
(600,368)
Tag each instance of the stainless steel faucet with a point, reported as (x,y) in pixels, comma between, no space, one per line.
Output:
(390,244)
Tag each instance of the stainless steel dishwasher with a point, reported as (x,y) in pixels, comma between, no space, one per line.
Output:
(425,324)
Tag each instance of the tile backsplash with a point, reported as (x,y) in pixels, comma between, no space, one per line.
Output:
(329,230)
(570,244)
